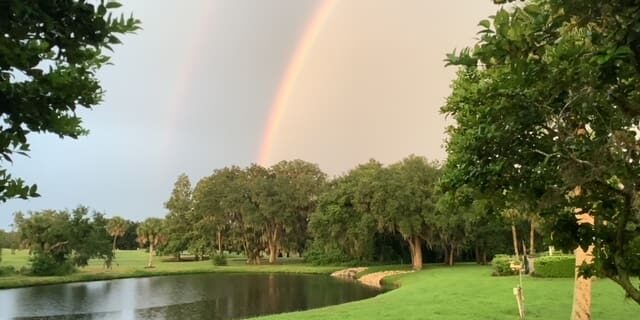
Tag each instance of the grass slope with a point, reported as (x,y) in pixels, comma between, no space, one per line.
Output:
(130,264)
(464,292)
(469,292)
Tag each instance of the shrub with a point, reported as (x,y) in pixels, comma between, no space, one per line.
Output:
(555,267)
(24,270)
(501,264)
(329,256)
(219,260)
(7,271)
(45,265)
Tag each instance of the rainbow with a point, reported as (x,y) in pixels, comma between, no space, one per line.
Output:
(285,88)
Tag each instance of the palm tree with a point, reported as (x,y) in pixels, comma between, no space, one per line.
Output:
(151,232)
(116,227)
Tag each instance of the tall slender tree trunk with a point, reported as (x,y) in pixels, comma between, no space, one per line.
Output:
(445,259)
(254,258)
(477,253)
(273,253)
(532,238)
(246,250)
(415,244)
(484,256)
(273,246)
(219,243)
(253,255)
(114,245)
(581,308)
(514,234)
(150,262)
(452,254)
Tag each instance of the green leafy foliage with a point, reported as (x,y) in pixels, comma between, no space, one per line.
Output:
(152,232)
(128,241)
(180,219)
(409,197)
(89,238)
(257,209)
(217,205)
(296,185)
(546,113)
(50,53)
(344,219)
(373,202)
(6,271)
(219,260)
(47,265)
(319,254)
(555,267)
(501,264)
(62,240)
(116,227)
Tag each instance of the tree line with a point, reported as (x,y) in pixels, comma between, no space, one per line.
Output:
(400,213)
(371,214)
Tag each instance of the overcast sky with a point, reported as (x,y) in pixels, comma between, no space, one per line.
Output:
(191,92)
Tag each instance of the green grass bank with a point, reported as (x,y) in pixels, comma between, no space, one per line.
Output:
(469,292)
(463,292)
(131,264)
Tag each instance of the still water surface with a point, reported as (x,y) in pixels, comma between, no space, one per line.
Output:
(204,296)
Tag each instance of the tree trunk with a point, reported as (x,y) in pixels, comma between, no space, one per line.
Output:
(150,262)
(415,244)
(219,243)
(273,252)
(484,256)
(477,252)
(515,241)
(581,308)
(246,249)
(255,257)
(452,254)
(532,239)
(274,247)
(445,259)
(114,245)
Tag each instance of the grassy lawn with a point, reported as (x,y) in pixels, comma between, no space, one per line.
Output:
(469,292)
(464,292)
(130,264)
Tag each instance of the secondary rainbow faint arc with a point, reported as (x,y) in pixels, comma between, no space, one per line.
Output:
(186,73)
(277,109)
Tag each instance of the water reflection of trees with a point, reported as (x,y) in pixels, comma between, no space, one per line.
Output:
(213,296)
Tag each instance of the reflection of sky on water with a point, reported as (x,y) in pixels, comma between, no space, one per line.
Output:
(212,296)
(74,298)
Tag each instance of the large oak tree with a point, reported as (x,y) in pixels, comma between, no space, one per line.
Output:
(547,108)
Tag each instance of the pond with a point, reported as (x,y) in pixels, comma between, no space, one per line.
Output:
(202,296)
